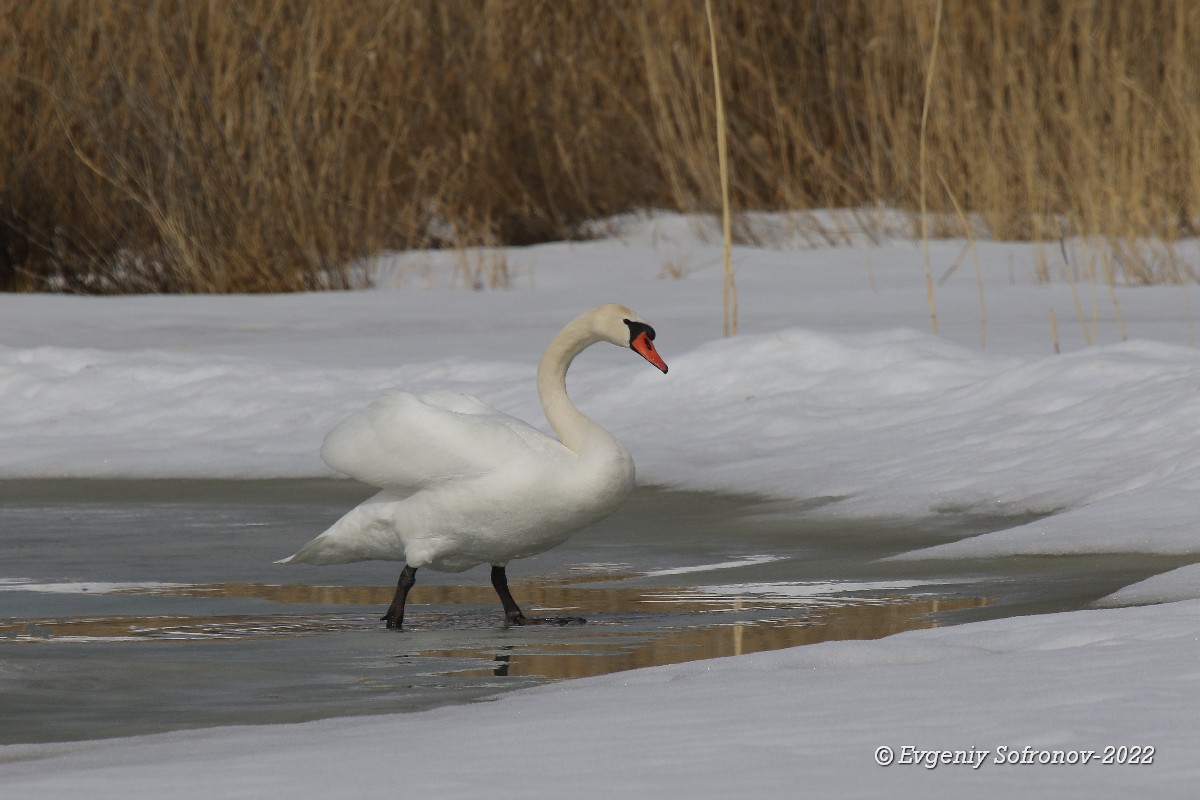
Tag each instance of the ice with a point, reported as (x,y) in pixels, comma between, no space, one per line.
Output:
(741,562)
(93,587)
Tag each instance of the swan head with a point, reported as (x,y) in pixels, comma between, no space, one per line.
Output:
(624,328)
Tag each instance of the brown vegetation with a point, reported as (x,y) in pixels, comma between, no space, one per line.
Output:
(217,146)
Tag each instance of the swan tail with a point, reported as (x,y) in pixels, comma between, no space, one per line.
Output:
(321,553)
(361,535)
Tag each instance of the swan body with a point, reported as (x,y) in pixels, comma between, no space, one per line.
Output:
(463,484)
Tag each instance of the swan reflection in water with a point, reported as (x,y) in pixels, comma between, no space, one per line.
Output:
(636,627)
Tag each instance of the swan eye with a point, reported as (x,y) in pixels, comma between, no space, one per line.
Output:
(637,328)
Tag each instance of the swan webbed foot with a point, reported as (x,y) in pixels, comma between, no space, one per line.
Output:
(518,618)
(512,612)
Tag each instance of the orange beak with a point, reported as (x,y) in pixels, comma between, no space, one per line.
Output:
(642,345)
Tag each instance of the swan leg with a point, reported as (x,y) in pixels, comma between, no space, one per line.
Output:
(395,613)
(512,612)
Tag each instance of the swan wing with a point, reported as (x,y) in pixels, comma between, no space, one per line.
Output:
(403,441)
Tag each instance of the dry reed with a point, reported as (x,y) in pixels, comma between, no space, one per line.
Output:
(265,146)
(728,285)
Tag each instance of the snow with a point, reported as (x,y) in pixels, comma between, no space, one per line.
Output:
(1178,584)
(834,394)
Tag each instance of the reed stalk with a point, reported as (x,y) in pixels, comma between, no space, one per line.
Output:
(922,166)
(728,286)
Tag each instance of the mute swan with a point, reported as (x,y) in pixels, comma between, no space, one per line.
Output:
(463,484)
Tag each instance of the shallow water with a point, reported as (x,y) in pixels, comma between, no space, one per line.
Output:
(135,607)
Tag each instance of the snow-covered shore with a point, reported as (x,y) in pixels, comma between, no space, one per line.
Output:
(834,389)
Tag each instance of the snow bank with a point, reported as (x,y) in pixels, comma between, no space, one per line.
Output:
(1178,584)
(889,422)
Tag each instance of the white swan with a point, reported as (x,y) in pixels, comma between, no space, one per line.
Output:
(463,484)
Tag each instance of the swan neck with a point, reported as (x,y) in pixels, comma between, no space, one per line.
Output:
(572,426)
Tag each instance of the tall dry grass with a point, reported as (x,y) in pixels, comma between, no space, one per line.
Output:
(215,146)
